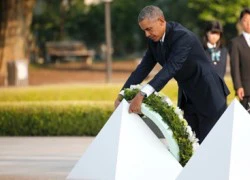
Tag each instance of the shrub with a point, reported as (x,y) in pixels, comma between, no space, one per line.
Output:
(53,119)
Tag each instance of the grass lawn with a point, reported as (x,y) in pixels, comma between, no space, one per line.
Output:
(79,92)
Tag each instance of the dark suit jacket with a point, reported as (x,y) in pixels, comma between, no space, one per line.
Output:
(184,59)
(240,63)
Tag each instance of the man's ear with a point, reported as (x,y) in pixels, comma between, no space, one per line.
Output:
(161,19)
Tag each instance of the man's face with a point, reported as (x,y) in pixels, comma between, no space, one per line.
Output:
(245,22)
(153,28)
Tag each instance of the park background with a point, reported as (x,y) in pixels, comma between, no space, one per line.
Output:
(74,96)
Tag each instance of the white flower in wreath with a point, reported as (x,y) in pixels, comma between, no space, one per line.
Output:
(167,100)
(138,86)
(180,116)
(195,146)
(190,132)
(179,112)
(192,138)
(122,92)
(156,93)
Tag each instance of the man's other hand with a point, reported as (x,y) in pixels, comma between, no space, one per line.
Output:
(240,93)
(135,105)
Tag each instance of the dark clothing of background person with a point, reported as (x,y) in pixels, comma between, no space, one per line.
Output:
(240,59)
(240,67)
(182,57)
(218,58)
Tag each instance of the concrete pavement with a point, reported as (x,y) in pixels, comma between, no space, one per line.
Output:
(40,158)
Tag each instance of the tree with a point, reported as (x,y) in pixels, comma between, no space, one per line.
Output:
(223,10)
(227,12)
(15,20)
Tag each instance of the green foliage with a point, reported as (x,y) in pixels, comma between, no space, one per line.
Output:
(223,10)
(177,10)
(86,23)
(125,28)
(171,118)
(52,119)
(46,21)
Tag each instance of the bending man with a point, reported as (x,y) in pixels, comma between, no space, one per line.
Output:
(202,93)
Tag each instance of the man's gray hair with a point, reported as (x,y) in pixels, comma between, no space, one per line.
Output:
(150,12)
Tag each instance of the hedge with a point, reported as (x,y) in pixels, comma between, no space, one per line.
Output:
(53,119)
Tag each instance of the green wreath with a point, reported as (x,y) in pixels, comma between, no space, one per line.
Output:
(172,116)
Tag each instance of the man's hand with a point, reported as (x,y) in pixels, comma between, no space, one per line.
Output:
(118,100)
(240,93)
(135,105)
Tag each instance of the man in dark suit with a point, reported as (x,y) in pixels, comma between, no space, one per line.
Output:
(240,60)
(181,55)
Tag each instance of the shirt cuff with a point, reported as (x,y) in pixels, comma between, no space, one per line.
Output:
(148,89)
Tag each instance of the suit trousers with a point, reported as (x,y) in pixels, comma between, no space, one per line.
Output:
(245,101)
(200,124)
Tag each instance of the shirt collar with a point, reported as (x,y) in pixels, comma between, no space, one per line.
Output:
(209,45)
(246,35)
(163,37)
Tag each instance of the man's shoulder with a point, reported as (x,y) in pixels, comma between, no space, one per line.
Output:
(236,39)
(178,26)
(179,30)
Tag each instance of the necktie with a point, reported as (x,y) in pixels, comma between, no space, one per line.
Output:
(215,55)
(162,50)
(161,42)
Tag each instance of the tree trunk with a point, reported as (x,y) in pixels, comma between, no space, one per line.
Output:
(15,20)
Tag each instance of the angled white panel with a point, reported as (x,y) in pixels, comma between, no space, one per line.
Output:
(142,156)
(126,149)
(240,152)
(99,160)
(226,144)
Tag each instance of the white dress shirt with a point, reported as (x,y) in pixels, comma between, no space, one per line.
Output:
(247,37)
(209,45)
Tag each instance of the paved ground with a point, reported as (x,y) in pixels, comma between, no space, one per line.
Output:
(78,73)
(40,158)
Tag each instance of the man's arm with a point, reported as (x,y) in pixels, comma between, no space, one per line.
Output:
(140,73)
(143,69)
(181,47)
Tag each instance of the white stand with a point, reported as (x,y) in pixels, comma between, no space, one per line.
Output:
(126,149)
(225,152)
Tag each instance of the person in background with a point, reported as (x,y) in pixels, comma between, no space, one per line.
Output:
(214,48)
(240,60)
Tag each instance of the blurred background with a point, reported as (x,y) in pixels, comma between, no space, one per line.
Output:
(85,35)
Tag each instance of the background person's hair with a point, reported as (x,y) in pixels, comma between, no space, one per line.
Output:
(150,12)
(213,27)
(244,11)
